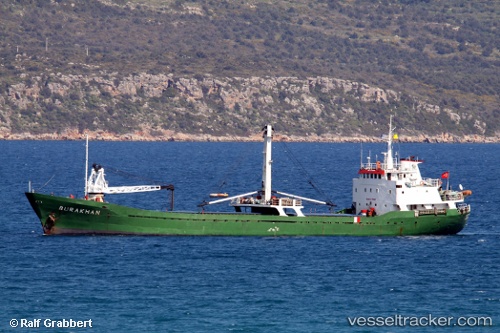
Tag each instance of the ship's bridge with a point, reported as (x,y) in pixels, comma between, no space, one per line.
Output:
(404,170)
(397,185)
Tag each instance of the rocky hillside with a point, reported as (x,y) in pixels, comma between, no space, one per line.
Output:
(203,70)
(163,107)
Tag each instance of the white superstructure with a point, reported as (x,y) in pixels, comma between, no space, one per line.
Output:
(397,185)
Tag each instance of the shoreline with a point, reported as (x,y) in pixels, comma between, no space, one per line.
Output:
(181,137)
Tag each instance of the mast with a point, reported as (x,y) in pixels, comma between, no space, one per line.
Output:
(389,160)
(86,164)
(266,168)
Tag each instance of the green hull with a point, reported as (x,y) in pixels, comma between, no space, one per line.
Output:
(59,215)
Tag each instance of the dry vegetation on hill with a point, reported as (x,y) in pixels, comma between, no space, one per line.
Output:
(312,68)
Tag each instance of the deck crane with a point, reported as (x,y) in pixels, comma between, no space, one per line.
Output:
(97,187)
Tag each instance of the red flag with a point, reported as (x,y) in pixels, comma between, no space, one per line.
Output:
(445,175)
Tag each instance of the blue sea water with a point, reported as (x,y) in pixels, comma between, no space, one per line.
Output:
(242,284)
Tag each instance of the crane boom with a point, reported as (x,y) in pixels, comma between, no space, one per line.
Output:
(96,184)
(131,189)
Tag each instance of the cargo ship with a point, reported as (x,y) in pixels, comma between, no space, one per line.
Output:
(389,198)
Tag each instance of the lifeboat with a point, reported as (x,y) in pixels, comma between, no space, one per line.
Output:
(466,193)
(219,195)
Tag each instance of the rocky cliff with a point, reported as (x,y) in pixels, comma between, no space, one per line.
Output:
(165,107)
